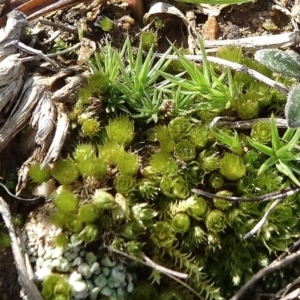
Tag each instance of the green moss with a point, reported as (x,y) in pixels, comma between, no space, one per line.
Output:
(149,40)
(4,240)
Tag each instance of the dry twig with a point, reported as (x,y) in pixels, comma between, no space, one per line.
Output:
(27,284)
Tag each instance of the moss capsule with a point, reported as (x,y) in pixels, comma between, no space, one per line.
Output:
(5,241)
(174,187)
(55,286)
(147,188)
(122,209)
(162,235)
(247,106)
(111,152)
(149,40)
(106,24)
(199,136)
(61,240)
(216,180)
(197,207)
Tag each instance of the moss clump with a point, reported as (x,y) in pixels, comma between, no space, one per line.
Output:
(120,130)
(38,174)
(56,287)
(65,171)
(65,200)
(88,213)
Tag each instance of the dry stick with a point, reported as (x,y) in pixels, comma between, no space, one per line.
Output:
(287,289)
(151,264)
(234,66)
(262,220)
(247,124)
(16,197)
(283,40)
(266,197)
(72,30)
(271,268)
(291,249)
(28,286)
(292,295)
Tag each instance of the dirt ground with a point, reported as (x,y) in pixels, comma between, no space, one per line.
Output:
(235,21)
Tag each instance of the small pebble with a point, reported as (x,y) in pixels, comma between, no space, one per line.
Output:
(95,268)
(89,284)
(90,258)
(64,265)
(40,251)
(32,259)
(74,276)
(39,262)
(77,261)
(57,252)
(105,271)
(94,293)
(42,273)
(31,251)
(106,291)
(48,254)
(107,262)
(84,270)
(130,287)
(79,286)
(100,281)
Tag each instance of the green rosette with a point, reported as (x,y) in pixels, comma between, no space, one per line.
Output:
(65,171)
(232,166)
(185,150)
(261,132)
(162,235)
(181,223)
(125,184)
(174,187)
(179,128)
(215,221)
